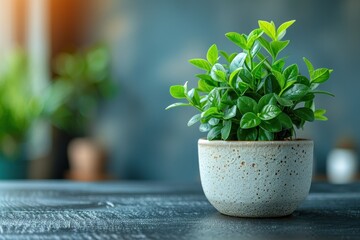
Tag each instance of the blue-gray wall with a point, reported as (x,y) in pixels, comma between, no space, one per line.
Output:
(151,43)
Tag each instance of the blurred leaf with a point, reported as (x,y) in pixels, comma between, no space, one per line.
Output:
(319,114)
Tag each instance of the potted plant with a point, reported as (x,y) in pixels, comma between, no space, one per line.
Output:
(19,109)
(85,77)
(251,164)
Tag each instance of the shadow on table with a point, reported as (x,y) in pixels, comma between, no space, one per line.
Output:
(302,224)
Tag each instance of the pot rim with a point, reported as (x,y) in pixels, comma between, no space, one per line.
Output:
(203,141)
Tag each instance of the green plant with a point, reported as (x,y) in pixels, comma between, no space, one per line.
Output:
(254,95)
(84,79)
(19,106)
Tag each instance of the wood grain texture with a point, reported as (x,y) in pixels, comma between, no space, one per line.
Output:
(114,210)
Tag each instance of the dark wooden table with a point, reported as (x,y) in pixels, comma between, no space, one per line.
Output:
(146,210)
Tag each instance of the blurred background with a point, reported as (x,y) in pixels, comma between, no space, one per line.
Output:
(88,80)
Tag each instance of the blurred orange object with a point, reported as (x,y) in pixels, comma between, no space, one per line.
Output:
(87,160)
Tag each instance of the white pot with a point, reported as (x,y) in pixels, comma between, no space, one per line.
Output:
(256,179)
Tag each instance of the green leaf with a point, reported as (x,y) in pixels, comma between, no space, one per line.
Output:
(247,134)
(249,120)
(319,114)
(309,66)
(214,133)
(232,56)
(285,120)
(204,87)
(242,87)
(177,105)
(237,38)
(204,127)
(282,29)
(258,67)
(265,135)
(246,104)
(320,75)
(200,63)
(298,122)
(256,32)
(323,92)
(295,92)
(204,77)
(177,91)
(308,97)
(214,97)
(237,62)
(254,48)
(303,80)
(233,78)
(213,111)
(194,97)
(230,113)
(291,72)
(246,76)
(280,78)
(271,85)
(289,84)
(266,45)
(194,119)
(225,55)
(278,46)
(251,39)
(278,65)
(265,100)
(283,102)
(305,114)
(310,104)
(214,121)
(218,73)
(269,112)
(273,125)
(212,54)
(225,131)
(268,29)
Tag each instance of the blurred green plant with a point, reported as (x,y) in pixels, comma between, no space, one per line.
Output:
(19,107)
(84,80)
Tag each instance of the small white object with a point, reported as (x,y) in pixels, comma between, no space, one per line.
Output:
(342,166)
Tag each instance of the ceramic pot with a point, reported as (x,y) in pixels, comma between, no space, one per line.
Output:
(257,178)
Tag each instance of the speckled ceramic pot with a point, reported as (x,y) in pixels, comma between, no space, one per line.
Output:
(256,179)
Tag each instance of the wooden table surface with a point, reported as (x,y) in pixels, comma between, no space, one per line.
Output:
(148,210)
